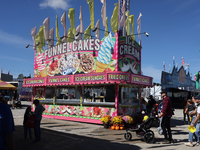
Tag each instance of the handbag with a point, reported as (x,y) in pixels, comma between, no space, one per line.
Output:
(30,122)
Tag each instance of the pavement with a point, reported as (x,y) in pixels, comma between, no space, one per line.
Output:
(62,135)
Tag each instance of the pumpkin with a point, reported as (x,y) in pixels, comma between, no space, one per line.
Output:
(121,128)
(113,127)
(117,128)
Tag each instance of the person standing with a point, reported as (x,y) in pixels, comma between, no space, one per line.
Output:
(27,114)
(151,103)
(196,121)
(14,97)
(7,128)
(166,113)
(38,117)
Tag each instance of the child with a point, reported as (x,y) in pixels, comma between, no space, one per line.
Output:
(189,109)
(27,114)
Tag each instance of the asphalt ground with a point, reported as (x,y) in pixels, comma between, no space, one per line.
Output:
(62,135)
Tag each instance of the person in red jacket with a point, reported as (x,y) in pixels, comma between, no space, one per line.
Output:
(166,113)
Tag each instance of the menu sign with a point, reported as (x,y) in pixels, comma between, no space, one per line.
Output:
(39,81)
(118,77)
(142,80)
(91,78)
(59,80)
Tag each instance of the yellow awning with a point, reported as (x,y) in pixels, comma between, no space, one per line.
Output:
(6,86)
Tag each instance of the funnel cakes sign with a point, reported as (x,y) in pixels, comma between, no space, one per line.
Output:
(78,57)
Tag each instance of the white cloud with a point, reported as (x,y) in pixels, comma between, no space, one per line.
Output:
(56,4)
(152,72)
(13,39)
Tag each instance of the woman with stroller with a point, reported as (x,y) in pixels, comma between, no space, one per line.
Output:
(27,114)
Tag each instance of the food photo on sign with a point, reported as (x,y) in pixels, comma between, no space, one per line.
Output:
(85,56)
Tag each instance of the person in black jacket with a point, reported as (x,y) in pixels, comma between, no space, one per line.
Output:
(27,114)
(151,103)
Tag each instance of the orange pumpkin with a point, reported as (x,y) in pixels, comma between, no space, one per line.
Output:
(121,128)
(117,128)
(113,127)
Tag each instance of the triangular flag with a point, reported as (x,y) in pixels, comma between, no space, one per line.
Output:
(123,17)
(139,25)
(63,22)
(114,19)
(51,37)
(57,32)
(103,12)
(79,36)
(131,19)
(72,20)
(81,19)
(33,33)
(70,37)
(127,23)
(87,33)
(39,38)
(91,8)
(97,29)
(106,30)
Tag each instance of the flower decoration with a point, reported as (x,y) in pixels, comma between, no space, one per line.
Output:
(127,119)
(117,120)
(106,119)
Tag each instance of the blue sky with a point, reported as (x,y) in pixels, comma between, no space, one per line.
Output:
(173,27)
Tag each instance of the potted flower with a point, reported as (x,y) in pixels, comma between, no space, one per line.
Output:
(127,120)
(117,121)
(106,120)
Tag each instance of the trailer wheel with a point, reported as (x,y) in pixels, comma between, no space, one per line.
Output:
(128,136)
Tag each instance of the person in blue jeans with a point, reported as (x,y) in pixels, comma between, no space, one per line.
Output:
(38,117)
(196,122)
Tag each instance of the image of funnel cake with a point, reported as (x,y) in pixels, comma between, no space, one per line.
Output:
(105,54)
(41,63)
(52,68)
(68,63)
(86,63)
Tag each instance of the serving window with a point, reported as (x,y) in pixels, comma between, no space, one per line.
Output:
(129,94)
(68,93)
(99,93)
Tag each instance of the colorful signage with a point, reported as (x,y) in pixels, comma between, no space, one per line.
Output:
(53,80)
(79,57)
(37,81)
(143,80)
(120,77)
(90,78)
(129,55)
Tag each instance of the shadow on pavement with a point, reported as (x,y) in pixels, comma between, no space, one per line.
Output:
(53,140)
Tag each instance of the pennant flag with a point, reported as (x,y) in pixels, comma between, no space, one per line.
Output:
(51,37)
(106,30)
(81,19)
(123,18)
(103,12)
(1,70)
(72,20)
(8,72)
(29,74)
(91,8)
(131,19)
(87,33)
(114,19)
(183,62)
(63,22)
(174,60)
(139,25)
(46,28)
(79,36)
(33,34)
(97,30)
(39,38)
(57,32)
(70,37)
(163,65)
(169,67)
(127,23)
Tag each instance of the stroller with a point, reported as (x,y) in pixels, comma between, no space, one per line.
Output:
(143,130)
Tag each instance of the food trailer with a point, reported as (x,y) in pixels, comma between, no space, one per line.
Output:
(86,79)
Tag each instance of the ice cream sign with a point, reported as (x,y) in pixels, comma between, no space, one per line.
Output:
(129,55)
(79,57)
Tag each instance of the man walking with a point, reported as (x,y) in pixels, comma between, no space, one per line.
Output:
(38,117)
(166,113)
